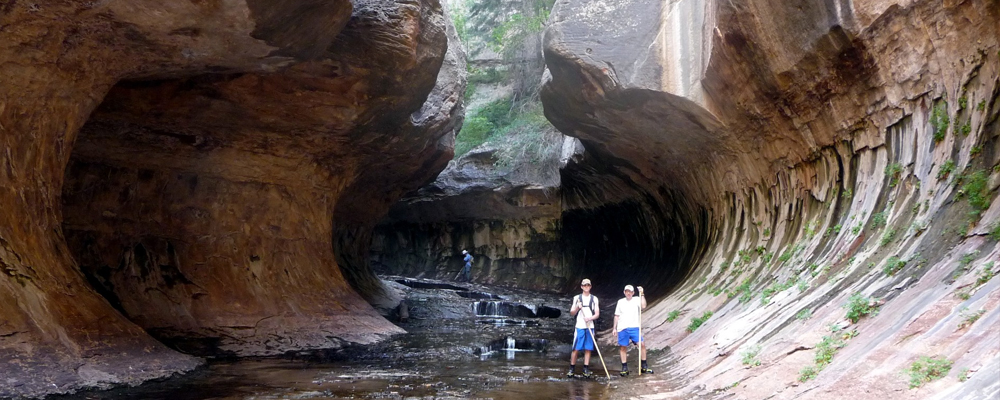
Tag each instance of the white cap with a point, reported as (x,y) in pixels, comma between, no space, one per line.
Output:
(629,288)
(465,252)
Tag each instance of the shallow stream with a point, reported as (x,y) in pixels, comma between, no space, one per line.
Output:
(463,341)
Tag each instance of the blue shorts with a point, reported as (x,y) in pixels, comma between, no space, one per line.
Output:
(628,334)
(583,341)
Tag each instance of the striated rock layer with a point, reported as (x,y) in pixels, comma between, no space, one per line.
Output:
(790,156)
(218,196)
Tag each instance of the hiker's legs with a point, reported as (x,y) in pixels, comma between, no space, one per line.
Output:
(572,358)
(586,357)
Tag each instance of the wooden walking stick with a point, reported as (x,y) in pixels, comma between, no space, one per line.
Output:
(642,340)
(598,347)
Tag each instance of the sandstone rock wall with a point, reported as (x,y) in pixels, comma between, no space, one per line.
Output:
(205,196)
(808,162)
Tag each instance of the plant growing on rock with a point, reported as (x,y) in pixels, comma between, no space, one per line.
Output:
(879,219)
(804,314)
(887,237)
(963,375)
(859,306)
(671,316)
(969,318)
(893,171)
(940,121)
(976,187)
(893,265)
(927,369)
(749,356)
(697,321)
(947,168)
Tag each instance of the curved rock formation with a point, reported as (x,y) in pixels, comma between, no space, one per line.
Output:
(205,198)
(783,157)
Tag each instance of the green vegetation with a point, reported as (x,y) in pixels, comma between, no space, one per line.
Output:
(927,369)
(825,351)
(985,274)
(878,220)
(981,106)
(975,187)
(970,318)
(859,306)
(963,102)
(767,232)
(749,356)
(963,375)
(787,255)
(671,316)
(804,314)
(856,229)
(847,194)
(887,237)
(965,129)
(696,322)
(893,265)
(947,168)
(893,171)
(776,288)
(995,232)
(940,121)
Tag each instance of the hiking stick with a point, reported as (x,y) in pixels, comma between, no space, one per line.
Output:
(642,340)
(598,347)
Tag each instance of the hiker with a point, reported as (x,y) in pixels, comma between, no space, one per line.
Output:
(584,339)
(467,269)
(627,326)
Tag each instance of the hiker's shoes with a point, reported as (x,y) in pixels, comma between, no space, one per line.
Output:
(624,370)
(571,373)
(647,371)
(587,373)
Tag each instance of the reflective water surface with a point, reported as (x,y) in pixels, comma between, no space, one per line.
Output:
(462,342)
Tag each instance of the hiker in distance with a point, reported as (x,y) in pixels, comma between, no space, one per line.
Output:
(627,326)
(583,339)
(467,269)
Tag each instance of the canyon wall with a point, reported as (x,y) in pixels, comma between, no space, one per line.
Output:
(824,176)
(207,173)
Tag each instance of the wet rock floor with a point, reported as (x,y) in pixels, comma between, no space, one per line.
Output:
(449,352)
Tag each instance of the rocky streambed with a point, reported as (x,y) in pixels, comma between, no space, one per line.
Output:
(463,341)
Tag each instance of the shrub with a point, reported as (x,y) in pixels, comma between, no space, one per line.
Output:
(474,133)
(804,314)
(976,187)
(985,274)
(671,316)
(887,237)
(970,318)
(826,349)
(966,129)
(981,106)
(893,171)
(750,356)
(995,232)
(927,369)
(893,265)
(807,373)
(940,120)
(878,219)
(858,307)
(963,375)
(947,168)
(696,322)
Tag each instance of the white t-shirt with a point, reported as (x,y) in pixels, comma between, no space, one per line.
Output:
(585,302)
(628,313)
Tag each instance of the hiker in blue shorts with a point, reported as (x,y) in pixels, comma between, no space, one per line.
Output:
(585,308)
(627,327)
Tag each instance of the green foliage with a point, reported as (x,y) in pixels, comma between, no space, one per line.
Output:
(859,306)
(776,288)
(508,35)
(671,316)
(826,349)
(696,322)
(995,232)
(947,168)
(985,274)
(969,318)
(963,375)
(804,314)
(474,132)
(963,102)
(927,369)
(940,121)
(749,356)
(787,255)
(887,237)
(485,75)
(893,265)
(523,139)
(767,232)
(981,106)
(743,290)
(856,229)
(879,219)
(976,188)
(965,129)
(723,266)
(846,194)
(893,171)
(807,373)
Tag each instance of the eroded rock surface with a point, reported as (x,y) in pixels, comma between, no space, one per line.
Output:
(205,198)
(793,155)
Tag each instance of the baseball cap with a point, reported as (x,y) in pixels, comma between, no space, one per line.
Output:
(465,252)
(629,288)
(585,282)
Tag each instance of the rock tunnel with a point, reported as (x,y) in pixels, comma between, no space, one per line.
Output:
(211,179)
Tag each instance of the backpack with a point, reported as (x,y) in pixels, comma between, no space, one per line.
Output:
(589,306)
